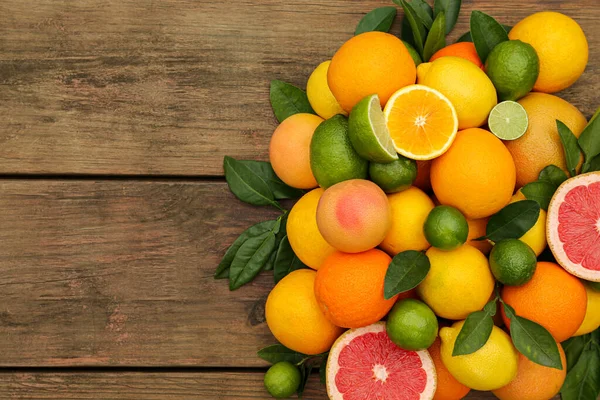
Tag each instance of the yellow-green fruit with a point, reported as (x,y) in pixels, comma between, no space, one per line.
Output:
(303,232)
(592,313)
(319,95)
(467,87)
(459,282)
(410,209)
(489,368)
(536,236)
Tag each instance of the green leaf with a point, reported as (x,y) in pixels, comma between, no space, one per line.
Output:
(270,264)
(450,8)
(424,12)
(405,272)
(589,141)
(379,19)
(406,32)
(539,191)
(583,380)
(486,33)
(594,165)
(305,371)
(278,352)
(570,147)
(418,29)
(513,221)
(436,39)
(251,257)
(265,171)
(286,261)
(476,330)
(246,185)
(466,37)
(288,100)
(323,369)
(574,348)
(553,174)
(533,340)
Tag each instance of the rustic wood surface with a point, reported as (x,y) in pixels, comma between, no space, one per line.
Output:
(101,272)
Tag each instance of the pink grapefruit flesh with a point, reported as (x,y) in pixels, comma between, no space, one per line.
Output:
(364,364)
(573,228)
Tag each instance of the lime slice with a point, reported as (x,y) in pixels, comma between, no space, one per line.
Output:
(368,131)
(508,120)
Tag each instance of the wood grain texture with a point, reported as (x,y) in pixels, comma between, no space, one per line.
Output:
(169,87)
(120,273)
(152,386)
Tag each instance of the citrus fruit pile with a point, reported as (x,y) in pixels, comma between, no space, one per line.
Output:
(446,232)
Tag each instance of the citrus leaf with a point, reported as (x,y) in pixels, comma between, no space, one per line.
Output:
(593,165)
(474,334)
(539,191)
(265,171)
(533,340)
(583,379)
(406,32)
(450,8)
(286,261)
(278,352)
(486,33)
(405,272)
(305,371)
(589,141)
(436,39)
(574,348)
(288,100)
(570,147)
(379,19)
(424,12)
(513,221)
(553,174)
(246,185)
(417,28)
(466,37)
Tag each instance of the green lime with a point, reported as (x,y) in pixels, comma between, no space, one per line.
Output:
(332,157)
(508,120)
(413,53)
(594,285)
(446,228)
(412,325)
(368,131)
(282,379)
(513,67)
(512,262)
(395,176)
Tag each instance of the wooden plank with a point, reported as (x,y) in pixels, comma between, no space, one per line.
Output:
(120,273)
(170,87)
(152,386)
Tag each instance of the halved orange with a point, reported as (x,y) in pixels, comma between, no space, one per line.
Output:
(422,122)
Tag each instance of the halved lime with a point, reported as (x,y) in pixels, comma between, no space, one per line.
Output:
(368,131)
(508,120)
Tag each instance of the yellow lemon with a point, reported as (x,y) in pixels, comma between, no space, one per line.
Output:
(592,313)
(467,87)
(410,209)
(489,368)
(458,283)
(319,95)
(536,236)
(303,232)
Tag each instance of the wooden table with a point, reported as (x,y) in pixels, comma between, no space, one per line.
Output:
(114,119)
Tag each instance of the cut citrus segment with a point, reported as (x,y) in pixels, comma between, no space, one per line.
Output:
(573,227)
(422,122)
(364,364)
(508,120)
(369,133)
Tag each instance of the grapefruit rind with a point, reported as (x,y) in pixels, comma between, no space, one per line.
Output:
(552,232)
(347,337)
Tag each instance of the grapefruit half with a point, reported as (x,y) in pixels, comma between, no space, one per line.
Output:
(573,227)
(364,364)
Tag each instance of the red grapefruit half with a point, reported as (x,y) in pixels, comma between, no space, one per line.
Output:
(573,227)
(364,364)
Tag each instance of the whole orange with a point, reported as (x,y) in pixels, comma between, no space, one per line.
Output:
(448,388)
(464,50)
(476,175)
(540,146)
(289,150)
(370,63)
(534,381)
(349,288)
(553,298)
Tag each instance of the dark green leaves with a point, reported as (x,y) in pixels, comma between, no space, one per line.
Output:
(405,272)
(279,189)
(379,19)
(436,39)
(466,37)
(583,361)
(486,33)
(416,25)
(553,174)
(286,261)
(513,221)
(246,184)
(533,340)
(539,191)
(589,141)
(476,330)
(450,8)
(424,12)
(288,100)
(570,146)
(278,352)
